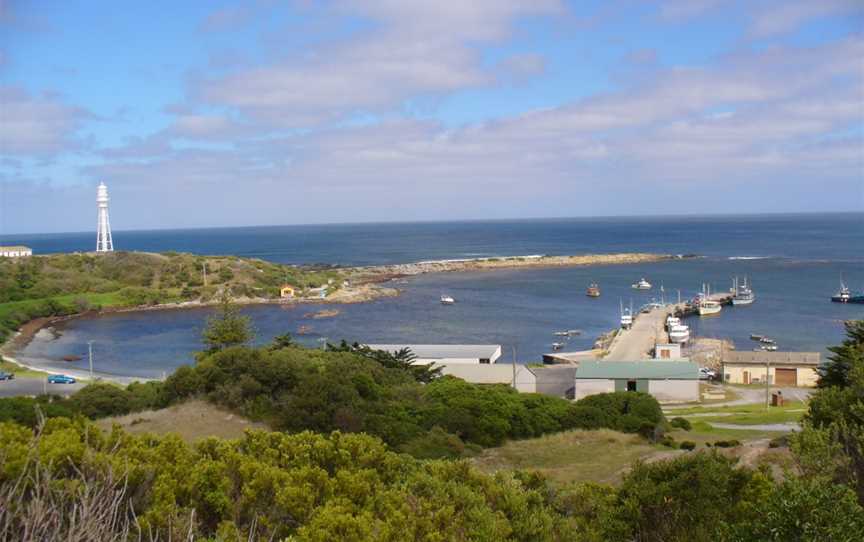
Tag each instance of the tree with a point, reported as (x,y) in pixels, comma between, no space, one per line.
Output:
(832,441)
(228,327)
(846,356)
(404,360)
(282,341)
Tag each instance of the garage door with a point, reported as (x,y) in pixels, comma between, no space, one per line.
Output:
(786,377)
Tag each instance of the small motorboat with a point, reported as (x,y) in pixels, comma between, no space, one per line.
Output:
(626,319)
(557,346)
(593,290)
(562,333)
(769,347)
(572,332)
(447,300)
(642,284)
(843,295)
(766,340)
(756,337)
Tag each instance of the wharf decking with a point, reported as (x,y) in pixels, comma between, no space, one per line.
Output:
(636,343)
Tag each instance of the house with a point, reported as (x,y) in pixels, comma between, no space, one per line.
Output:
(447,353)
(784,368)
(15,252)
(667,382)
(668,352)
(287,292)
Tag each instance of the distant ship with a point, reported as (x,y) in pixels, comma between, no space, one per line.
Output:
(642,284)
(742,293)
(447,300)
(593,290)
(845,295)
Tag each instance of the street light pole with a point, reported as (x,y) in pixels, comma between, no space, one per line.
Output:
(90,357)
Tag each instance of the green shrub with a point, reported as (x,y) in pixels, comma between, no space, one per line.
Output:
(681,423)
(100,400)
(436,444)
(587,417)
(687,445)
(727,443)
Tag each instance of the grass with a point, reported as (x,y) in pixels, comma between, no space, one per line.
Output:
(751,414)
(192,421)
(17,370)
(571,456)
(110,299)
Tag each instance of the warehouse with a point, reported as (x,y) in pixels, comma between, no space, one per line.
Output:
(784,368)
(447,353)
(676,382)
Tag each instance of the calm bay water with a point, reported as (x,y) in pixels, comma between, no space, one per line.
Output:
(794,262)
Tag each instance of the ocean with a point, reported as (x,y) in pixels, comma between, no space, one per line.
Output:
(795,263)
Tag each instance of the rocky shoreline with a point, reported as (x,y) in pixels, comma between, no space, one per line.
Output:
(364,284)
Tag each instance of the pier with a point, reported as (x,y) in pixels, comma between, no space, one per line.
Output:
(648,329)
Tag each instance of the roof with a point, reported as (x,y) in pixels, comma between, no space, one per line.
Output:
(445,351)
(653,370)
(15,247)
(810,359)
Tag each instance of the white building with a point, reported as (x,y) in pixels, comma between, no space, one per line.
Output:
(447,353)
(15,252)
(499,373)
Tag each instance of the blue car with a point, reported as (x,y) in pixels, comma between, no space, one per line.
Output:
(60,379)
(6,376)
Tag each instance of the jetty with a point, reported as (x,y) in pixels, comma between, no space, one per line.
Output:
(636,343)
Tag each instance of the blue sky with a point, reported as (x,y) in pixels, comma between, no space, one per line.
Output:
(264,112)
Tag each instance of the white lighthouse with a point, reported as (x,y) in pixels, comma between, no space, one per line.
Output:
(103,232)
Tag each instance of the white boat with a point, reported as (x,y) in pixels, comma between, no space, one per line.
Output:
(562,334)
(447,300)
(642,284)
(573,332)
(742,293)
(557,346)
(672,321)
(708,307)
(766,340)
(770,347)
(626,315)
(679,333)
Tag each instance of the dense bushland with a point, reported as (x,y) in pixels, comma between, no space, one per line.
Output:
(306,486)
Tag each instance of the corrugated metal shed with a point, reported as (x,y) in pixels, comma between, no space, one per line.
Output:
(446,351)
(653,370)
(773,358)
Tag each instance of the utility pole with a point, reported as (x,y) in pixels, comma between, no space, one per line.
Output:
(204,271)
(514,366)
(767,387)
(90,357)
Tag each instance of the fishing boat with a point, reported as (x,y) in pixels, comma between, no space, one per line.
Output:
(766,340)
(756,337)
(672,321)
(626,316)
(557,346)
(742,294)
(708,306)
(842,296)
(447,300)
(593,290)
(642,284)
(679,333)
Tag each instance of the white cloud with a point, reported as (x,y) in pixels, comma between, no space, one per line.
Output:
(37,125)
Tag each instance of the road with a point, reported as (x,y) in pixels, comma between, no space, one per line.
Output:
(36,386)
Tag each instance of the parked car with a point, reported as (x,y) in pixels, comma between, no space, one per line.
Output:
(707,374)
(6,376)
(60,379)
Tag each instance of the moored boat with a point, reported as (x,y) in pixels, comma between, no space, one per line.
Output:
(843,295)
(593,290)
(679,333)
(642,284)
(708,307)
(742,294)
(447,300)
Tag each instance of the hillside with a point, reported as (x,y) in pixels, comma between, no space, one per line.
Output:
(62,284)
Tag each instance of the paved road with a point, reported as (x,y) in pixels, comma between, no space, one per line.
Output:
(36,386)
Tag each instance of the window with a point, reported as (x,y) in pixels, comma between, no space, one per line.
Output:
(631,385)
(484,360)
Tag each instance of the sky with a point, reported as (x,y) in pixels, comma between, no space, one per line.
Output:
(200,114)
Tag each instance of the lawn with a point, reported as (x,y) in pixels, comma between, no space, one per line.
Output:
(752,414)
(570,456)
(110,299)
(17,370)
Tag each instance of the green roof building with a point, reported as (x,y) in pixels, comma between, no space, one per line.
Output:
(668,382)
